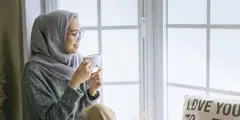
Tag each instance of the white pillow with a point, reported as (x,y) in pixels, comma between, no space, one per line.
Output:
(208,108)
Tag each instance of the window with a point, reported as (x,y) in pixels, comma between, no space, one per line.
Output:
(191,48)
(111,28)
(202,51)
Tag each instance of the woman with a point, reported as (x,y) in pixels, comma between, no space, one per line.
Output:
(98,112)
(55,77)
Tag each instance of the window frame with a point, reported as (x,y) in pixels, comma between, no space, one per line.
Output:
(146,52)
(159,51)
(153,55)
(208,26)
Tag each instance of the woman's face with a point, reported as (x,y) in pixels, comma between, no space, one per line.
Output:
(73,36)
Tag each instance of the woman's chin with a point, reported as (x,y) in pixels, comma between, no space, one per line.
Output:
(75,51)
(76,48)
(72,51)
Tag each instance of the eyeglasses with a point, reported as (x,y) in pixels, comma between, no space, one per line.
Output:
(79,35)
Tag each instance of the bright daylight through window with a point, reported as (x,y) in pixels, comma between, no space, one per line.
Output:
(111,28)
(203,44)
(197,40)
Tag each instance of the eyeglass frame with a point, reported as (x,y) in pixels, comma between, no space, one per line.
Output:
(79,34)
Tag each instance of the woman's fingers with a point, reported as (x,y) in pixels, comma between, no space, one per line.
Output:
(98,81)
(98,78)
(87,64)
(95,74)
(99,69)
(84,62)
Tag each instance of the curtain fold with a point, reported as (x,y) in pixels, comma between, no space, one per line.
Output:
(11,54)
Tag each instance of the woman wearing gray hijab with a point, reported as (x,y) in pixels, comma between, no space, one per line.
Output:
(54,79)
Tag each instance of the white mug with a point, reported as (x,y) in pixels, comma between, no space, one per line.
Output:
(95,59)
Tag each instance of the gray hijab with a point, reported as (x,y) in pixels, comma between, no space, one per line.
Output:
(48,40)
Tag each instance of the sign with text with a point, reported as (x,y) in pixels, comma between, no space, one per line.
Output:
(206,108)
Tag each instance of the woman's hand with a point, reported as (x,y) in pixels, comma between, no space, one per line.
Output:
(82,74)
(95,82)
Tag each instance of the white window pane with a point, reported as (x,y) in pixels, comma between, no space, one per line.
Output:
(119,12)
(225,12)
(120,55)
(176,101)
(187,56)
(89,43)
(123,100)
(225,60)
(224,96)
(187,11)
(86,9)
